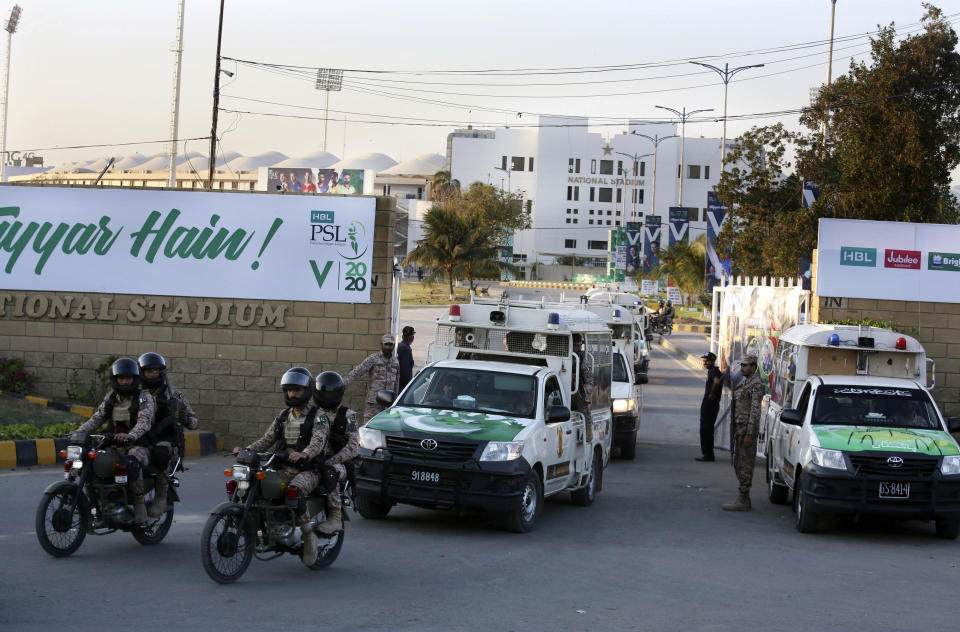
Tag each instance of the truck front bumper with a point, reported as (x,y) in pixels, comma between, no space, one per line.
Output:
(625,425)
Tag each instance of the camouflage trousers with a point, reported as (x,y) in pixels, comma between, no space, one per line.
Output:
(139,452)
(581,406)
(308,481)
(333,498)
(744,458)
(371,410)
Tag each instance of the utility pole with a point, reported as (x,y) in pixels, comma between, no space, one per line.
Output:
(11,28)
(684,115)
(826,117)
(216,100)
(175,118)
(636,160)
(656,139)
(725,76)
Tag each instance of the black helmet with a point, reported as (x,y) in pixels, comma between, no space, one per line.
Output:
(669,303)
(151,360)
(121,368)
(329,390)
(297,376)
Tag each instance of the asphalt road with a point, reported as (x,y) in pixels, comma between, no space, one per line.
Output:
(655,552)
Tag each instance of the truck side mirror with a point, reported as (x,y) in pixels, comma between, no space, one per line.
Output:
(385,397)
(649,337)
(953,424)
(791,416)
(556,414)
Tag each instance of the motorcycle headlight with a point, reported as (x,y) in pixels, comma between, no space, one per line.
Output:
(950,465)
(624,405)
(74,452)
(371,439)
(241,472)
(502,451)
(832,459)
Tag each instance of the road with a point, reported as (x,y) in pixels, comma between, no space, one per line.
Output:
(655,552)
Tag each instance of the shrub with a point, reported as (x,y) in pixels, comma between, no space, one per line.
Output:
(27,431)
(93,391)
(14,378)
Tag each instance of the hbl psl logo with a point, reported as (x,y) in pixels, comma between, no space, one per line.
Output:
(866,257)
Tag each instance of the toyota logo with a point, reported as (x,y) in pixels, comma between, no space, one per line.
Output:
(428,444)
(895,461)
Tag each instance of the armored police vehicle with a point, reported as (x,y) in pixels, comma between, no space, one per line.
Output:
(851,429)
(488,423)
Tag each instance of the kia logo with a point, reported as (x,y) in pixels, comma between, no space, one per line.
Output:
(895,461)
(428,444)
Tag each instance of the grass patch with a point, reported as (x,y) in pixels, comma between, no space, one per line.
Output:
(19,411)
(423,294)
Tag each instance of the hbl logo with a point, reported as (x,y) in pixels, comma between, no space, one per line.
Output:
(321,217)
(866,257)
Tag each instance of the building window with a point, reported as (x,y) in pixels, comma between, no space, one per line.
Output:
(606,167)
(606,193)
(251,185)
(576,211)
(591,211)
(419,193)
(619,195)
(569,193)
(609,223)
(706,172)
(593,166)
(618,213)
(568,220)
(619,167)
(591,194)
(590,221)
(516,163)
(531,164)
(569,243)
(568,211)
(576,194)
(609,213)
(596,245)
(570,166)
(643,168)
(503,162)
(693,172)
(635,169)
(578,165)
(234,185)
(638,196)
(576,221)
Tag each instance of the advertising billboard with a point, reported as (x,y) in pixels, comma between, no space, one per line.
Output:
(679,223)
(307,180)
(718,264)
(651,242)
(634,245)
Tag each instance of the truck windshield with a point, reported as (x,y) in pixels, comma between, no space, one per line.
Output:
(619,369)
(473,390)
(874,406)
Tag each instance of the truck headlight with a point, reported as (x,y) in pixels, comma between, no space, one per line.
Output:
(371,439)
(832,459)
(502,451)
(950,465)
(624,405)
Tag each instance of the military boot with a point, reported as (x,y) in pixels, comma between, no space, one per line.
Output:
(139,508)
(332,524)
(309,553)
(742,503)
(159,504)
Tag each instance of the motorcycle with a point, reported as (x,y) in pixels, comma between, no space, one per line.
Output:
(662,325)
(94,499)
(261,519)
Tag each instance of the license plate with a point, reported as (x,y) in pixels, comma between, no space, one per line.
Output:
(894,489)
(421,476)
(120,480)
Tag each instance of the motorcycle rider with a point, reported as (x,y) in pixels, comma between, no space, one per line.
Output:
(166,435)
(343,444)
(296,427)
(668,313)
(129,412)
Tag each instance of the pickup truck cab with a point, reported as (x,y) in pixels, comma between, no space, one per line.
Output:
(626,406)
(852,429)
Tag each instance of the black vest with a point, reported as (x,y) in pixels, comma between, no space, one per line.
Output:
(339,430)
(121,426)
(167,417)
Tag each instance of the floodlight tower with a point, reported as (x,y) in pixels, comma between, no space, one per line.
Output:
(329,80)
(11,28)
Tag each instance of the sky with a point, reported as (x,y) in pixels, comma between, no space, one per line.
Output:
(100,72)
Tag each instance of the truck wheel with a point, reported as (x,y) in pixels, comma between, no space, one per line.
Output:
(372,509)
(522,519)
(628,448)
(588,493)
(948,529)
(806,517)
(776,492)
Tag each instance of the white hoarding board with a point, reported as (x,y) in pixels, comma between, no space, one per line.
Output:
(673,294)
(648,287)
(888,260)
(183,243)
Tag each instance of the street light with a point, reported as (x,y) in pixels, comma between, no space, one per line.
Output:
(684,115)
(725,76)
(636,159)
(11,28)
(656,139)
(216,99)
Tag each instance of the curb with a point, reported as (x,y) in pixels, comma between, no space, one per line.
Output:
(690,360)
(693,329)
(86,411)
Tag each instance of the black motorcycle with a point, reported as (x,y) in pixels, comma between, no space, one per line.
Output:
(261,519)
(662,325)
(94,498)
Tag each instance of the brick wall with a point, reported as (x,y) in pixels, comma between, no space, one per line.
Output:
(230,368)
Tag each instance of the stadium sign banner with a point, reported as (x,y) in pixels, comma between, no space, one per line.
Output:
(186,243)
(888,260)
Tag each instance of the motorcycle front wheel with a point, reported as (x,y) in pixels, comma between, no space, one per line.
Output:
(60,530)
(226,546)
(329,553)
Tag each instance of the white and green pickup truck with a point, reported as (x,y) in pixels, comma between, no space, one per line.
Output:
(488,423)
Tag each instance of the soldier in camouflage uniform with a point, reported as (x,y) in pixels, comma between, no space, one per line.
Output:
(383,370)
(128,412)
(297,428)
(343,445)
(173,413)
(580,400)
(746,425)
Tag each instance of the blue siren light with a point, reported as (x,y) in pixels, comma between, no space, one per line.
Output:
(553,318)
(834,340)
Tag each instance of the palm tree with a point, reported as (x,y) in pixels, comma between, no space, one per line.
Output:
(481,255)
(443,247)
(443,187)
(684,263)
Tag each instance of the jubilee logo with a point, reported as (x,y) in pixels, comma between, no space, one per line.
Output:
(850,256)
(945,261)
(902,259)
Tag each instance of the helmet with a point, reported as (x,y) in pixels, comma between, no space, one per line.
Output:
(297,376)
(121,368)
(329,390)
(661,303)
(153,360)
(669,303)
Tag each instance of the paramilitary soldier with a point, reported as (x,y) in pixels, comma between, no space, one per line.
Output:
(128,412)
(383,369)
(747,399)
(296,429)
(166,435)
(343,445)
(580,400)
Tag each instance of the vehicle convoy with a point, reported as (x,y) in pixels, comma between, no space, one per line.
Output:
(487,424)
(94,498)
(626,403)
(260,518)
(852,429)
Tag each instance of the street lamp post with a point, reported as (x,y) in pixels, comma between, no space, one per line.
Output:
(725,75)
(11,28)
(684,115)
(216,99)
(656,139)
(636,160)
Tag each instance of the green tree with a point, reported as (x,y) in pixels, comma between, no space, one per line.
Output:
(684,264)
(443,187)
(894,130)
(445,244)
